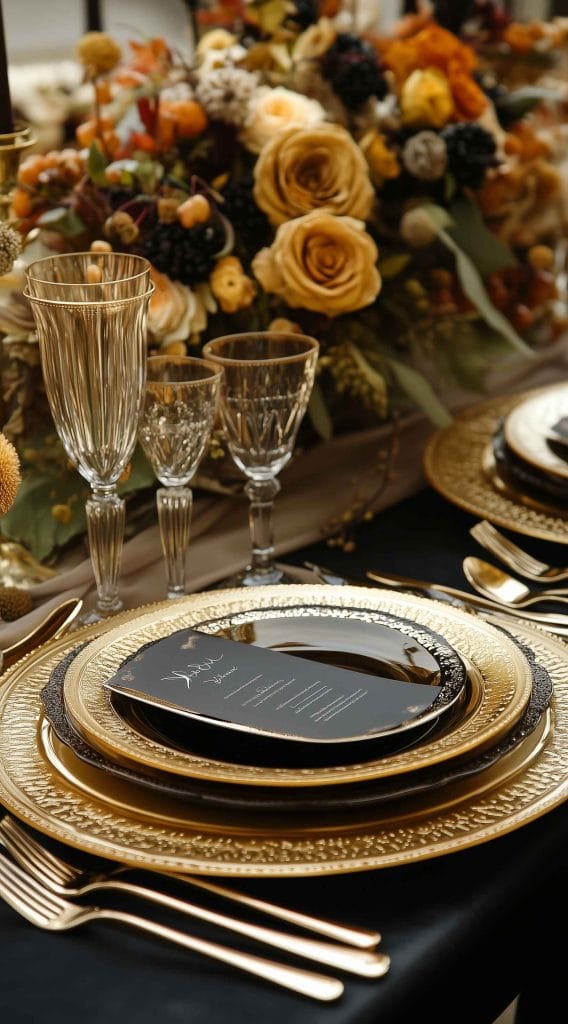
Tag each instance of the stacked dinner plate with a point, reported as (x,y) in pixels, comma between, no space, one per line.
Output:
(506,460)
(530,447)
(286,730)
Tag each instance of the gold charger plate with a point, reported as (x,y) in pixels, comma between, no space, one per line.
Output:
(528,423)
(506,674)
(139,803)
(453,464)
(40,796)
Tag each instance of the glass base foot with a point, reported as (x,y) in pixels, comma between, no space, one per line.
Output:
(96,615)
(255,578)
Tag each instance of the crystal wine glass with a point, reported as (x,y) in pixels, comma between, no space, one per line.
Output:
(267,383)
(179,411)
(90,311)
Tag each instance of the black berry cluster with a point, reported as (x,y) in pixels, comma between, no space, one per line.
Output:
(184,254)
(352,68)
(471,151)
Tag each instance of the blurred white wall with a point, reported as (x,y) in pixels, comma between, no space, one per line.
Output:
(46,30)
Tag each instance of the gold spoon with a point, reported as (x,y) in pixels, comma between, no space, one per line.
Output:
(507,590)
(54,625)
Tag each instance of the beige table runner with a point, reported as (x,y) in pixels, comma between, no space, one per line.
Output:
(317,486)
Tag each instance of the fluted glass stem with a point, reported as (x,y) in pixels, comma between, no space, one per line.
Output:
(105,523)
(261,494)
(174,516)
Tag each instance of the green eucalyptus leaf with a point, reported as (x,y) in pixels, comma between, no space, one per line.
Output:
(393,265)
(97,164)
(319,415)
(63,220)
(470,232)
(474,288)
(521,101)
(30,521)
(420,391)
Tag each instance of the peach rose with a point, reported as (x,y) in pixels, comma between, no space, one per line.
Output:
(176,312)
(321,262)
(275,109)
(299,171)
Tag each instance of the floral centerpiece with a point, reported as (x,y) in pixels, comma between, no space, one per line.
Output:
(379,193)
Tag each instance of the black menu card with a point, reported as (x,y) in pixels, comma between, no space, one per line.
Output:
(243,687)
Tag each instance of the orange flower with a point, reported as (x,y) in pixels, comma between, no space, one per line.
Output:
(522,141)
(433,47)
(521,37)
(470,101)
(153,56)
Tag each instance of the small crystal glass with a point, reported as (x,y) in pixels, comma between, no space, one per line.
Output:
(178,415)
(267,383)
(90,311)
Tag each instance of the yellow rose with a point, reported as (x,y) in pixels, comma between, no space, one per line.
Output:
(299,171)
(426,99)
(231,286)
(383,163)
(175,311)
(275,109)
(321,262)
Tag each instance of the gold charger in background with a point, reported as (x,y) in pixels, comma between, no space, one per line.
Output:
(453,464)
(32,790)
(505,670)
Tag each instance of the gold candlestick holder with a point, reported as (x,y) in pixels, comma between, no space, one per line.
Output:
(12,145)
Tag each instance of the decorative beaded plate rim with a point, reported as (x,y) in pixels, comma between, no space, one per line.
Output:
(32,791)
(453,464)
(506,672)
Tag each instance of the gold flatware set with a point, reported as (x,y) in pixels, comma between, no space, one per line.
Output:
(40,886)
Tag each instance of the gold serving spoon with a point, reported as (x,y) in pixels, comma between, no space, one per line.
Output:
(54,625)
(496,584)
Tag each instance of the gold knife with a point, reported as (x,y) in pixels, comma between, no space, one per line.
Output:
(54,625)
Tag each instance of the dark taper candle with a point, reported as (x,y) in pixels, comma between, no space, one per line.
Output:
(93,16)
(6,123)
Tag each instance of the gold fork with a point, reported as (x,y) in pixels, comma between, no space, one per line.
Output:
(513,556)
(365,963)
(51,912)
(67,879)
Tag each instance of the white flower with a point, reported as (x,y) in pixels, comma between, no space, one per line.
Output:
(274,109)
(226,93)
(177,312)
(315,41)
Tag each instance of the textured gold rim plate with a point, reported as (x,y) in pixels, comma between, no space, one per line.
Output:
(527,424)
(30,789)
(134,801)
(453,464)
(506,673)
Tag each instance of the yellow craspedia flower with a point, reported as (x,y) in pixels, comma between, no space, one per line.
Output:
(98,53)
(383,163)
(62,513)
(9,474)
(426,99)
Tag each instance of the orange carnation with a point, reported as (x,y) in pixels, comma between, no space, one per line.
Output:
(469,99)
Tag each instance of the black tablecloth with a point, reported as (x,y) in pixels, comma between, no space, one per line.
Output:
(466,932)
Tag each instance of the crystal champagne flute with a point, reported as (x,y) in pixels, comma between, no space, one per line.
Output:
(267,383)
(178,415)
(90,311)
